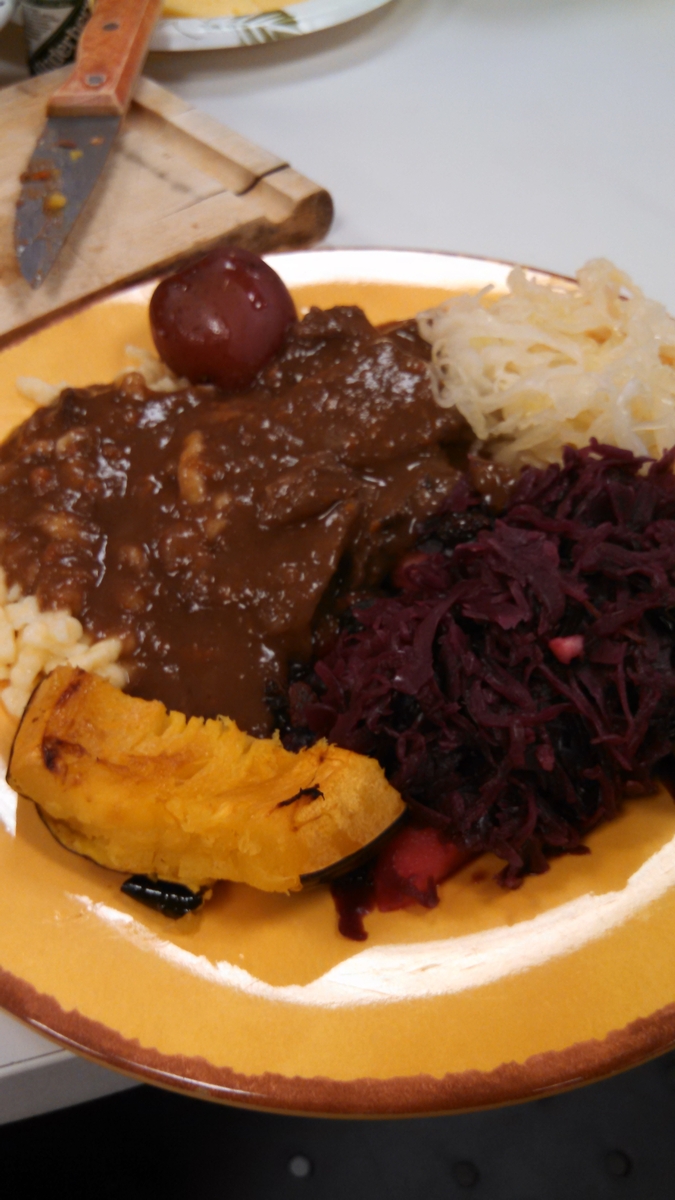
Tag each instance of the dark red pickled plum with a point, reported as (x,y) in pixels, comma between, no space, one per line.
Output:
(220,319)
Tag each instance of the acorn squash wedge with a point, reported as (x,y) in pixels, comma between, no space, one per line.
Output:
(145,791)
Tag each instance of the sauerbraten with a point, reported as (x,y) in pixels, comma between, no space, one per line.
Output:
(216,534)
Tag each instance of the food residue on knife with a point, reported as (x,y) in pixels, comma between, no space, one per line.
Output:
(39,175)
(54,202)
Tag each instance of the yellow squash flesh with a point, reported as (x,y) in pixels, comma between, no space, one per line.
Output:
(145,791)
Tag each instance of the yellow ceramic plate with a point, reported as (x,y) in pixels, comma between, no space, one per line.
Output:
(493,996)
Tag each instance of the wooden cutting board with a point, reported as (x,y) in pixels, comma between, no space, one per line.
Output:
(176,183)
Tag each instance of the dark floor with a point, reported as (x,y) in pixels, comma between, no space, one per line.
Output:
(614,1139)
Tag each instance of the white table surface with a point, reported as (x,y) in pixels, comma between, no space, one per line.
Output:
(538,131)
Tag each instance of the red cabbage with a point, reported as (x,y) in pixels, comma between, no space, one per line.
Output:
(519,681)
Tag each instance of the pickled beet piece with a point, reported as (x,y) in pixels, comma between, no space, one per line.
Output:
(406,871)
(220,319)
(411,865)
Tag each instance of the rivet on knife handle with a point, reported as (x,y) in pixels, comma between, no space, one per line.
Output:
(110,55)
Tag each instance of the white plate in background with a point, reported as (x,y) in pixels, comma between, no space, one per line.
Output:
(215,33)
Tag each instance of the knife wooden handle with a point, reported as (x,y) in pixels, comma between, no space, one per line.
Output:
(110,55)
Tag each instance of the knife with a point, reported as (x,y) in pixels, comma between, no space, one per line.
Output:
(83,118)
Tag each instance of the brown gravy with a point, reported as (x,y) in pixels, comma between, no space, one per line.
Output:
(213,534)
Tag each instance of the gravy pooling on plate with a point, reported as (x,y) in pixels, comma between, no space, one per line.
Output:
(214,533)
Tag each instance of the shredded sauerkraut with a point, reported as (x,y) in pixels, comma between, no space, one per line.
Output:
(547,366)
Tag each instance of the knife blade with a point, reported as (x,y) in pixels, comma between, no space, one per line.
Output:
(84,116)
